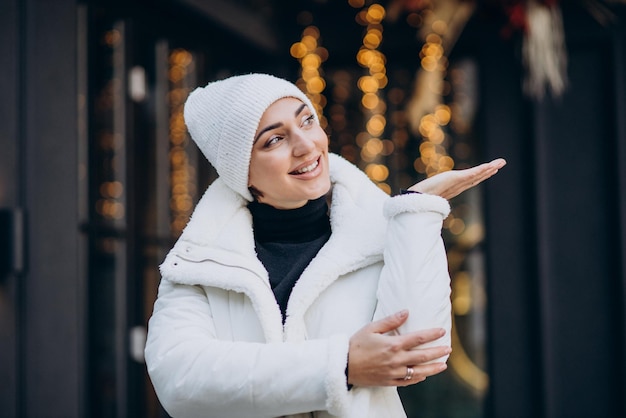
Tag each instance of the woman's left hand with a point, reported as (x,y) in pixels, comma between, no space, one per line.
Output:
(452,183)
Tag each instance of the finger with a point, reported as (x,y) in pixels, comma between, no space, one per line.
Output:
(417,338)
(483,175)
(388,323)
(421,356)
(480,173)
(498,163)
(420,373)
(487,169)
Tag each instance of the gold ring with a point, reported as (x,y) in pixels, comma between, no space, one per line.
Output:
(409,373)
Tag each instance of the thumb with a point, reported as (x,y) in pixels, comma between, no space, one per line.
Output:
(389,323)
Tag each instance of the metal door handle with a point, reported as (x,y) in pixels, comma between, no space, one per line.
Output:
(11,242)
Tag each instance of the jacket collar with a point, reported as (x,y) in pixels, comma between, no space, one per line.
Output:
(357,240)
(220,231)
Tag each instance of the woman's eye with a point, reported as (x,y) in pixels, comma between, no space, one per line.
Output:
(273,140)
(309,120)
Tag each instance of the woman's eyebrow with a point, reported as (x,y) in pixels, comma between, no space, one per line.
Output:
(300,108)
(267,128)
(279,124)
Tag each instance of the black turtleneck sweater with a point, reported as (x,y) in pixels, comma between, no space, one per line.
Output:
(287,240)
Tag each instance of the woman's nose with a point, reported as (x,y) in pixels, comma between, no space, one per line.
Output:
(302,144)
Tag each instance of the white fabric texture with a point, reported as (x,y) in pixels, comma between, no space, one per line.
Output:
(216,343)
(223,117)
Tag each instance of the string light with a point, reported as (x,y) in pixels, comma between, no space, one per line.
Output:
(311,56)
(373,148)
(110,205)
(435,120)
(434,156)
(182,173)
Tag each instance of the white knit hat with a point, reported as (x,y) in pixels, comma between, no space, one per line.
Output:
(223,117)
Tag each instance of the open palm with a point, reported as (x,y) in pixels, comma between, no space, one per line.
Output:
(452,183)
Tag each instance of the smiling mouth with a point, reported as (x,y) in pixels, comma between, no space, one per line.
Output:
(308,168)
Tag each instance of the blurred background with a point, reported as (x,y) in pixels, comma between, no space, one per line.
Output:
(98,177)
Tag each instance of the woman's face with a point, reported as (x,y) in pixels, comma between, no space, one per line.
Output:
(289,162)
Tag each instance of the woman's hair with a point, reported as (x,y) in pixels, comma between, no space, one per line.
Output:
(256,193)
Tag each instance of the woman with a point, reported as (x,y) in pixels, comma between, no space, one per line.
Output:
(274,302)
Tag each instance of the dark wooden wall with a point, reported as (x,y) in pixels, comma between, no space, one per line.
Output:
(556,224)
(41,326)
(9,199)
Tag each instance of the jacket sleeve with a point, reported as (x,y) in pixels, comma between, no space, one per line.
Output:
(415,274)
(196,375)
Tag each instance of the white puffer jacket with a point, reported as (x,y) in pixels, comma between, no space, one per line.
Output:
(217,346)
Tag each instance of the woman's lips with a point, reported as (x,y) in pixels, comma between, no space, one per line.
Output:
(308,168)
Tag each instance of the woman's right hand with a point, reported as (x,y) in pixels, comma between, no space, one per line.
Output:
(378,359)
